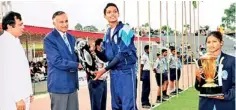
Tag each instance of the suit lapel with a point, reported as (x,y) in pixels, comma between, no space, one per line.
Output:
(224,60)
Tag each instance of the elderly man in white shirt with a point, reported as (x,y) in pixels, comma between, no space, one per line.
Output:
(16,86)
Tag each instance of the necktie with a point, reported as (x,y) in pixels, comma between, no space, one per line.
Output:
(67,42)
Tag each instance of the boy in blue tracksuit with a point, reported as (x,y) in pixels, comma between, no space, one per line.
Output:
(120,53)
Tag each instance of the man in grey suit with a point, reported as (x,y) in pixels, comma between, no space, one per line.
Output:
(63,65)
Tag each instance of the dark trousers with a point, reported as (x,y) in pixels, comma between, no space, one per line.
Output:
(98,94)
(145,87)
(64,101)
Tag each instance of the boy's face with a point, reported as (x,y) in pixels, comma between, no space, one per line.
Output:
(147,51)
(178,55)
(99,47)
(112,14)
(164,54)
(173,52)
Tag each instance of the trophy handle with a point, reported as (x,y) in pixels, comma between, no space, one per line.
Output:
(197,66)
(196,63)
(216,76)
(220,67)
(202,77)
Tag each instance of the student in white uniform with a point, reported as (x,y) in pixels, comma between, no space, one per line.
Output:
(164,61)
(159,74)
(16,86)
(145,77)
(175,66)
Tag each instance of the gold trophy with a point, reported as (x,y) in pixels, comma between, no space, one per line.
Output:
(210,77)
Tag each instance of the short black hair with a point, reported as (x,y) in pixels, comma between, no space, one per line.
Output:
(146,47)
(98,42)
(158,54)
(9,19)
(178,53)
(57,14)
(172,49)
(216,34)
(163,50)
(108,5)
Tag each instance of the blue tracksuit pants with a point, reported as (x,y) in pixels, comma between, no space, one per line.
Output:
(123,89)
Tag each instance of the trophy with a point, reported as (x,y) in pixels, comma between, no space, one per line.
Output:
(86,58)
(211,77)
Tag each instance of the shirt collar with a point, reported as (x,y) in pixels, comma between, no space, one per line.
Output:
(9,34)
(61,33)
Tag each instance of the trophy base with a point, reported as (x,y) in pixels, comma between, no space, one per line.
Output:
(208,95)
(211,91)
(210,85)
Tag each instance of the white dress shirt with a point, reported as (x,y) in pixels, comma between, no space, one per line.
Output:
(145,61)
(158,65)
(15,73)
(173,61)
(61,33)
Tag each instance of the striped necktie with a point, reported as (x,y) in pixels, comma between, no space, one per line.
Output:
(67,42)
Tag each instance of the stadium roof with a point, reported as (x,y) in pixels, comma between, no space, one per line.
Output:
(44,30)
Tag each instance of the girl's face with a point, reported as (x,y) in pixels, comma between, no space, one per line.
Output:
(112,14)
(213,44)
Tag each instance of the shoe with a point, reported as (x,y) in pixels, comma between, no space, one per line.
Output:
(159,100)
(173,93)
(180,90)
(166,97)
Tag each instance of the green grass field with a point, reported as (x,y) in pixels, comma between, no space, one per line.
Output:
(188,100)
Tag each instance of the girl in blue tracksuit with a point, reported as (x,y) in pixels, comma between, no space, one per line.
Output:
(120,53)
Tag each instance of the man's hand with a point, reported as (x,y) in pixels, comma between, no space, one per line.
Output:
(217,97)
(80,66)
(99,73)
(20,105)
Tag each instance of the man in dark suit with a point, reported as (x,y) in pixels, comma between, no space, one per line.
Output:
(63,65)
